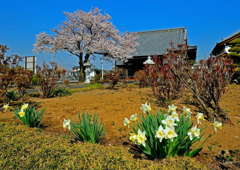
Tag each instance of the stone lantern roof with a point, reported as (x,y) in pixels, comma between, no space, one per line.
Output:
(88,64)
(149,61)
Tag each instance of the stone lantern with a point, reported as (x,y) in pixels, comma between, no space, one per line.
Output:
(87,71)
(149,61)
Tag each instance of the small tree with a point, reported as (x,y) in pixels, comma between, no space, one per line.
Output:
(164,84)
(87,34)
(207,82)
(113,77)
(48,78)
(140,78)
(11,73)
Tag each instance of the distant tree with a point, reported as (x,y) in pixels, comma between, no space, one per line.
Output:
(235,51)
(87,34)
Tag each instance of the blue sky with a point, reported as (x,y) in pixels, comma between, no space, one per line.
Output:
(207,21)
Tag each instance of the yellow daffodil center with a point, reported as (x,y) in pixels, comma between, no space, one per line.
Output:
(21,114)
(129,122)
(172,109)
(150,109)
(170,133)
(169,122)
(160,133)
(135,118)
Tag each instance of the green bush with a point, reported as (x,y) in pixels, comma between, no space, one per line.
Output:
(11,95)
(61,92)
(97,77)
(35,80)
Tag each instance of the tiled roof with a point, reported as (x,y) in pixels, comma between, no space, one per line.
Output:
(157,41)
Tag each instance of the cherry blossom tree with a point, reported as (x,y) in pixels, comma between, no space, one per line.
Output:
(87,35)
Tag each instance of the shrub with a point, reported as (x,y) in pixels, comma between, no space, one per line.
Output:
(35,80)
(47,79)
(140,78)
(97,77)
(11,95)
(165,85)
(61,92)
(66,82)
(113,77)
(208,80)
(11,73)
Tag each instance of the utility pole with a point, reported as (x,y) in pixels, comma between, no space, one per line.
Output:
(102,68)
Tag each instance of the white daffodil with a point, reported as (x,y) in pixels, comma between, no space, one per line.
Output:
(175,116)
(6,106)
(216,125)
(160,133)
(66,124)
(194,132)
(169,121)
(21,113)
(133,137)
(126,122)
(172,108)
(133,117)
(24,106)
(170,133)
(141,138)
(199,117)
(186,112)
(145,108)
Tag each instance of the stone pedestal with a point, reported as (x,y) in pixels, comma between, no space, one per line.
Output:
(87,71)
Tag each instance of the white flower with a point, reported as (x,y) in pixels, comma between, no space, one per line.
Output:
(169,121)
(194,132)
(186,112)
(6,106)
(66,124)
(133,117)
(160,133)
(172,108)
(141,138)
(24,106)
(126,122)
(199,117)
(216,125)
(133,137)
(145,108)
(175,116)
(170,133)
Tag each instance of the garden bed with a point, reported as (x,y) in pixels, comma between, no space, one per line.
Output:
(112,106)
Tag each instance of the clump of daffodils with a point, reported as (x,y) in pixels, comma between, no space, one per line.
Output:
(166,130)
(23,108)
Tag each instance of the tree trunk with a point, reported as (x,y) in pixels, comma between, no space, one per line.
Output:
(221,113)
(82,67)
(82,73)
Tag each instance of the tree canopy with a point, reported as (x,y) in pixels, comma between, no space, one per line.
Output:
(86,34)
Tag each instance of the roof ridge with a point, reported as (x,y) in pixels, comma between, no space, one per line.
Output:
(230,36)
(162,29)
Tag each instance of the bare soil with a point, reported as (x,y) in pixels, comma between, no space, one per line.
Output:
(221,151)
